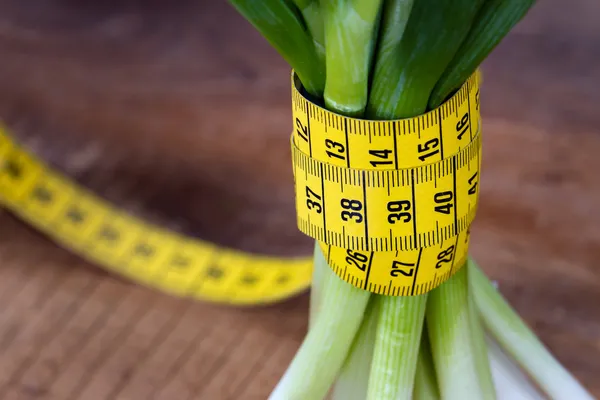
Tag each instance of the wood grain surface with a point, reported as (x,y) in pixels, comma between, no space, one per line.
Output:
(167,109)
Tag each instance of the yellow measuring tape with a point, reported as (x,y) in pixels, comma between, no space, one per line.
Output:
(390,201)
(128,246)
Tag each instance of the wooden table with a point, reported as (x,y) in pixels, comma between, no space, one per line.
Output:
(162,96)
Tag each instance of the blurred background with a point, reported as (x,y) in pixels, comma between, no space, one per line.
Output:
(168,108)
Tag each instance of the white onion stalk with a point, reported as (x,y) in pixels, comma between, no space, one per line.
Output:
(449,322)
(509,381)
(323,351)
(521,343)
(353,381)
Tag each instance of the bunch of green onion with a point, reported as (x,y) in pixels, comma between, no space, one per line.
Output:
(392,59)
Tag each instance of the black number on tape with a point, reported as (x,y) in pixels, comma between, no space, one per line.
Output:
(355,206)
(444,199)
(330,144)
(313,204)
(428,149)
(383,154)
(301,130)
(445,256)
(399,211)
(473,181)
(462,126)
(477,100)
(400,268)
(359,260)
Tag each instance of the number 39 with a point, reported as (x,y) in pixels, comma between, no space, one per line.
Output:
(399,211)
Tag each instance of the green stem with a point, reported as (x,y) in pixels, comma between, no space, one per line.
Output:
(324,349)
(426,386)
(480,349)
(353,380)
(318,283)
(521,343)
(350,27)
(396,347)
(453,346)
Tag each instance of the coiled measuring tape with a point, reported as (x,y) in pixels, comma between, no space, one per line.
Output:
(145,253)
(390,202)
(350,175)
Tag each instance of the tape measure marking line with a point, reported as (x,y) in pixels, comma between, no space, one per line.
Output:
(441,133)
(370,263)
(416,274)
(74,217)
(347,143)
(416,236)
(308,129)
(454,253)
(323,195)
(469,87)
(455,196)
(364,184)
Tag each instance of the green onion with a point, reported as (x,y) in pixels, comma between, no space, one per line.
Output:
(390,59)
